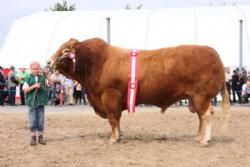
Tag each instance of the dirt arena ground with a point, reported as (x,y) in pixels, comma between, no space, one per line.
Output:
(77,137)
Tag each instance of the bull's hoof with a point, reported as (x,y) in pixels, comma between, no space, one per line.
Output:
(204,143)
(198,138)
(112,141)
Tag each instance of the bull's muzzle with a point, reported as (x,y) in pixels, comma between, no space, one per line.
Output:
(50,64)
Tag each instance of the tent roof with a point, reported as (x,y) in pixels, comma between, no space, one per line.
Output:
(38,36)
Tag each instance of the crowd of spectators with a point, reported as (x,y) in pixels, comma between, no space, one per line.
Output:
(61,90)
(64,91)
(238,85)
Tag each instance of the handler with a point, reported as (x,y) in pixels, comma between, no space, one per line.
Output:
(36,98)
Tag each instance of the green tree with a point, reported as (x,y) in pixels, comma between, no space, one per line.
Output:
(63,6)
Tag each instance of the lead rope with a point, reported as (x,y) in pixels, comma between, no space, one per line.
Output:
(34,98)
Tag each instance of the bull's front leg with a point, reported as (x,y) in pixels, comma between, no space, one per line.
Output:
(115,134)
(111,101)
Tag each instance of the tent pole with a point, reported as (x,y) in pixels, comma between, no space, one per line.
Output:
(108,29)
(240,43)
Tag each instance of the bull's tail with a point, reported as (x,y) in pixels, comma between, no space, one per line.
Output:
(225,106)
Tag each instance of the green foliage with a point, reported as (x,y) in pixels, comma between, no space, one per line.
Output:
(63,6)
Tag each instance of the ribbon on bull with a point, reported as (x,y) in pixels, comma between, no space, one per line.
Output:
(133,80)
(72,56)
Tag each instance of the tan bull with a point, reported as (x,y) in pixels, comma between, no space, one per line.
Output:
(165,76)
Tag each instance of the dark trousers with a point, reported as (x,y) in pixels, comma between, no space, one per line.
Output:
(229,90)
(22,95)
(1,96)
(214,101)
(236,90)
(12,96)
(84,97)
(78,96)
(51,93)
(245,98)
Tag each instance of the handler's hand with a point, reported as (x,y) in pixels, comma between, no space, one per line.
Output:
(37,85)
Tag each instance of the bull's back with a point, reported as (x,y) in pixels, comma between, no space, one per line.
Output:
(179,72)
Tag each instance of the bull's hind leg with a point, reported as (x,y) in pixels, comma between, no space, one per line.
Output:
(204,110)
(206,129)
(111,102)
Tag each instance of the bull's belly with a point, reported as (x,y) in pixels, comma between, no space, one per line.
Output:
(160,98)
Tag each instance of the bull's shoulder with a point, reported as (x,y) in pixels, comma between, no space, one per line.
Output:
(94,44)
(94,40)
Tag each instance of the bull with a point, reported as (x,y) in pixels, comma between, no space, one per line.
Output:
(166,75)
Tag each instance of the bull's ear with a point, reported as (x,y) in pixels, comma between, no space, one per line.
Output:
(73,43)
(73,40)
(76,46)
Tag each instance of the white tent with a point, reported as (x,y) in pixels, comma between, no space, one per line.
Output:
(38,36)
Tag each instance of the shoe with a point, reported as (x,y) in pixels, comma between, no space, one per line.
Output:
(33,141)
(41,140)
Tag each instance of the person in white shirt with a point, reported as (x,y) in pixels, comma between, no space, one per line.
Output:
(246,90)
(58,81)
(57,78)
(69,87)
(228,78)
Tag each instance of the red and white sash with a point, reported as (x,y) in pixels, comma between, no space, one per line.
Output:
(72,56)
(133,79)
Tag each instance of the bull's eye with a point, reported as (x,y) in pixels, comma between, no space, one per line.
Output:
(65,51)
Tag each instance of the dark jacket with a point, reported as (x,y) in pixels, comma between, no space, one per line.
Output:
(2,81)
(236,81)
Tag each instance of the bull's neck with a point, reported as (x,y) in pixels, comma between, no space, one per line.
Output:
(91,70)
(90,58)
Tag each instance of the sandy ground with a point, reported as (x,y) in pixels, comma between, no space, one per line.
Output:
(78,137)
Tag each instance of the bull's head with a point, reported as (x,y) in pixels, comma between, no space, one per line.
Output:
(65,57)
